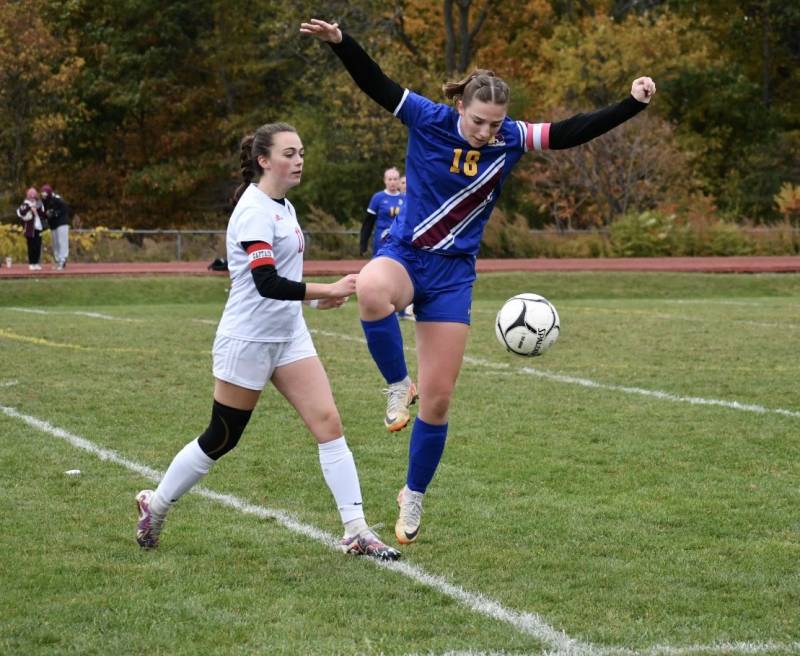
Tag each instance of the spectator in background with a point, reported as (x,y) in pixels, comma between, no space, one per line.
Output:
(384,206)
(32,214)
(57,212)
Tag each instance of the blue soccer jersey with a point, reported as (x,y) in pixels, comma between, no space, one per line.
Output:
(453,187)
(385,207)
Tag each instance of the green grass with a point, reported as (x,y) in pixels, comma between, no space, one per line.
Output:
(623,519)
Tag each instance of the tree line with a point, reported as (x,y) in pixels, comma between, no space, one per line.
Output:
(134,110)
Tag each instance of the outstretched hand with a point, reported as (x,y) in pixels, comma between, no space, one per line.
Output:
(331,303)
(329,32)
(643,89)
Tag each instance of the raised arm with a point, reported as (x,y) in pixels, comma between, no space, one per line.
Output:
(581,128)
(362,68)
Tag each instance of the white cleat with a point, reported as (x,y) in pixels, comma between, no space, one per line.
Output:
(407,527)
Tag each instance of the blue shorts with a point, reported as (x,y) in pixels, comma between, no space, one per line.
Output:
(442,283)
(381,234)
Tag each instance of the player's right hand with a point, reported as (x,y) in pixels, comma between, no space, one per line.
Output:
(344,286)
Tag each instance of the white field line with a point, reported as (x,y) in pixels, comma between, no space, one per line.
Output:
(666,317)
(557,642)
(711,301)
(8,383)
(585,382)
(91,315)
(528,623)
(721,648)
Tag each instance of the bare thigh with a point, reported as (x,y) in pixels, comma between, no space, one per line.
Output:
(234,396)
(383,287)
(305,385)
(440,352)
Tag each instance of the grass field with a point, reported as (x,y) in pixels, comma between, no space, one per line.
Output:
(635,490)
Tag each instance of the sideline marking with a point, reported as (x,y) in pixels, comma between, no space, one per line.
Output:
(529,623)
(92,315)
(660,650)
(585,382)
(558,643)
(38,341)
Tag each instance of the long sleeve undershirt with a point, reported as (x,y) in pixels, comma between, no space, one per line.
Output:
(568,133)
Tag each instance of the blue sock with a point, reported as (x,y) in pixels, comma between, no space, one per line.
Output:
(385,344)
(424,453)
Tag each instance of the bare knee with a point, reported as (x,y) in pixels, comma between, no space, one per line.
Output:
(373,298)
(326,424)
(434,406)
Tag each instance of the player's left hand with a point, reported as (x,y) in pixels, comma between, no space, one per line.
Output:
(323,31)
(643,89)
(331,303)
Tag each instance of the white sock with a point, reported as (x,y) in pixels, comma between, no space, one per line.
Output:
(355,527)
(187,467)
(339,470)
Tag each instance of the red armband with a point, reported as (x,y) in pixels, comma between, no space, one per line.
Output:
(537,136)
(260,254)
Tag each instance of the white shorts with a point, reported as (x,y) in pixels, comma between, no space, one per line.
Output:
(251,364)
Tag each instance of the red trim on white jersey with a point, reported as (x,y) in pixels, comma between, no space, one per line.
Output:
(260,254)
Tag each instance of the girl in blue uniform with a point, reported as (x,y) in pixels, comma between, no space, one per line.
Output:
(457,160)
(384,206)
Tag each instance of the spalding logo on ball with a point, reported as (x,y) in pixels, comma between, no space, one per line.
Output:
(527,324)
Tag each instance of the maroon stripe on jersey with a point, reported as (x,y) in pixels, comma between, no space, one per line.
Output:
(442,227)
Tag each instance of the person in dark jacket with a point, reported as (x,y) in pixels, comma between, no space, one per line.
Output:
(31,213)
(57,212)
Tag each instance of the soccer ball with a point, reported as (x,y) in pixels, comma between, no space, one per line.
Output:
(527,324)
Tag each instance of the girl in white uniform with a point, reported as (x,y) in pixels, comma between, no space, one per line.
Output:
(262,337)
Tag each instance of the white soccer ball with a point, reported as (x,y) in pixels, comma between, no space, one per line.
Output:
(527,324)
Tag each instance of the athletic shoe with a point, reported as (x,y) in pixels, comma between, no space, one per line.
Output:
(407,527)
(400,396)
(367,543)
(149,527)
(407,313)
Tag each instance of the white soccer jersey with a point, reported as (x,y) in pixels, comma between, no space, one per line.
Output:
(247,314)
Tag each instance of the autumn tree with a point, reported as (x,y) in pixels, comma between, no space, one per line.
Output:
(636,166)
(36,98)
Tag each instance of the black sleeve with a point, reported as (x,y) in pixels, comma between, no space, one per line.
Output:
(270,285)
(366,231)
(63,210)
(367,74)
(581,128)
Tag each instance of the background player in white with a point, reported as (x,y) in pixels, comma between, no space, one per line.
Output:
(262,337)
(457,159)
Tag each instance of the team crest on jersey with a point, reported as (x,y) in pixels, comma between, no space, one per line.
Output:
(278,217)
(497,140)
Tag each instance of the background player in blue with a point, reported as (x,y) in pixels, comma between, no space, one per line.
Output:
(384,206)
(457,160)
